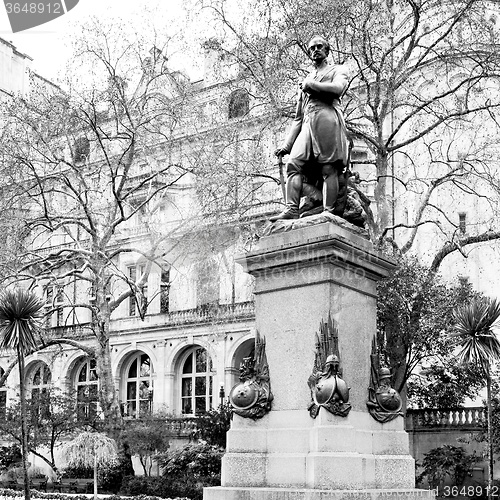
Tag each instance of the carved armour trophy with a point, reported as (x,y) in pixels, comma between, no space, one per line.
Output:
(251,397)
(384,402)
(328,389)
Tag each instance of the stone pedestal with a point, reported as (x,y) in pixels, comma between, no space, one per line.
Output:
(302,277)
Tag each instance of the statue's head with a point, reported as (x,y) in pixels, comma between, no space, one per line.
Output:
(318,46)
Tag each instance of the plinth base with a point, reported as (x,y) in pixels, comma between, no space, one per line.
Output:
(226,493)
(289,449)
(305,278)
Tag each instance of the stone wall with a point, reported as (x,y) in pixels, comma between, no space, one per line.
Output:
(431,428)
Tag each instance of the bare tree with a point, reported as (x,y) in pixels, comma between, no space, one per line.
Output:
(86,163)
(122,165)
(421,110)
(421,100)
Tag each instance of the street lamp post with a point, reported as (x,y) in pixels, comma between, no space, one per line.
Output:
(222,393)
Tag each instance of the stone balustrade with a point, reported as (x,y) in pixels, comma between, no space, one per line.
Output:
(211,312)
(41,253)
(473,418)
(180,426)
(174,426)
(265,208)
(203,314)
(69,331)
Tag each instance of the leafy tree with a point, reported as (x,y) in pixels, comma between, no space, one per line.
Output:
(412,325)
(197,460)
(9,455)
(447,460)
(443,386)
(212,426)
(19,327)
(146,437)
(480,347)
(51,418)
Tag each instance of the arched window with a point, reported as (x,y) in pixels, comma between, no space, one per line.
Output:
(3,396)
(239,103)
(196,382)
(40,381)
(139,386)
(86,385)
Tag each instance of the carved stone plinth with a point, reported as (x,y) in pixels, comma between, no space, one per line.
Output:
(306,494)
(303,277)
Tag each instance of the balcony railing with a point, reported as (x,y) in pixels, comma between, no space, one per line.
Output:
(203,314)
(180,426)
(266,208)
(174,426)
(55,249)
(69,331)
(473,418)
(208,313)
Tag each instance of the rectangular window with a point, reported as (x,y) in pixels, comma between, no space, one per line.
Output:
(135,273)
(462,222)
(144,299)
(59,308)
(186,396)
(132,276)
(208,283)
(201,405)
(3,403)
(49,296)
(187,407)
(60,317)
(86,402)
(165,291)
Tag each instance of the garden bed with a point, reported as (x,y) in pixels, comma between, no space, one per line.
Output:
(7,494)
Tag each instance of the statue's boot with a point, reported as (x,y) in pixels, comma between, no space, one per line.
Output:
(330,192)
(293,191)
(313,202)
(341,203)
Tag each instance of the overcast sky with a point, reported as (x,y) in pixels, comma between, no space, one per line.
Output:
(48,44)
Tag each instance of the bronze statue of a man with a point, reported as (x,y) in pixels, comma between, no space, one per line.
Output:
(317,141)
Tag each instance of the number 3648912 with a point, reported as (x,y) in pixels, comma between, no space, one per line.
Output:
(34,8)
(470,491)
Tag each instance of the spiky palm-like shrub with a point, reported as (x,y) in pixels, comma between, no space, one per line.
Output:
(480,347)
(19,330)
(474,323)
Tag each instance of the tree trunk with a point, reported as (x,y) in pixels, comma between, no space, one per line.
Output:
(24,433)
(490,437)
(108,396)
(107,393)
(382,197)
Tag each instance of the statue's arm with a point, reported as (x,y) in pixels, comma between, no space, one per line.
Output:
(336,85)
(294,129)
